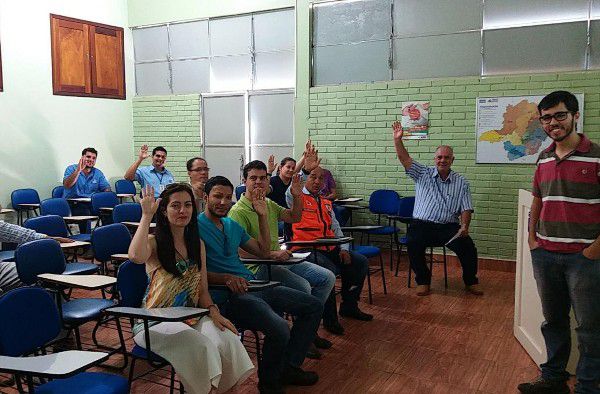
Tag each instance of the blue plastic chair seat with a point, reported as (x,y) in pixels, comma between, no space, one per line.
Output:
(385,230)
(7,255)
(403,240)
(80,269)
(367,251)
(86,383)
(142,353)
(81,237)
(84,309)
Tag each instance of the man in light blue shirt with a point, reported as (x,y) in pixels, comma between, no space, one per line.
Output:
(441,215)
(83,180)
(155,175)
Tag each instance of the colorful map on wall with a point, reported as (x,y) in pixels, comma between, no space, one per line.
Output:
(509,130)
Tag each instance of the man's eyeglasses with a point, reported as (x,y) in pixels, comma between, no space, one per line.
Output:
(201,169)
(562,115)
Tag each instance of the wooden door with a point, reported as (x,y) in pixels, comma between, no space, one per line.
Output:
(70,57)
(107,64)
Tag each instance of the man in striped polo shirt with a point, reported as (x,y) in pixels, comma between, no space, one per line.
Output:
(564,238)
(441,215)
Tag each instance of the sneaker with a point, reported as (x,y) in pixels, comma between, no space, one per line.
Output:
(474,289)
(356,313)
(544,386)
(298,377)
(313,352)
(322,343)
(334,328)
(270,388)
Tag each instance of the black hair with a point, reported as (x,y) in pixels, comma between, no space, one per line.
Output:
(159,149)
(286,159)
(91,150)
(165,245)
(560,96)
(191,161)
(254,165)
(216,181)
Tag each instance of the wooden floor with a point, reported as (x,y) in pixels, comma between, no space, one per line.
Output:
(448,342)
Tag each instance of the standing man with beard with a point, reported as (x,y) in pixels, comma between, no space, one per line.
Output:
(442,211)
(564,238)
(81,181)
(198,171)
(155,175)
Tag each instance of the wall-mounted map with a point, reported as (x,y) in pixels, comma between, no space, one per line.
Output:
(509,130)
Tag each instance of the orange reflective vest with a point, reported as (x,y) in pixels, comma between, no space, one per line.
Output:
(315,223)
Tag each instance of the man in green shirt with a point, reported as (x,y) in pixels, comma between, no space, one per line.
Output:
(306,276)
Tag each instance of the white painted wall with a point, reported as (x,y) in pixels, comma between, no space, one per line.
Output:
(40,133)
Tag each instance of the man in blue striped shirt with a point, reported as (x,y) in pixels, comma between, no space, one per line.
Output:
(441,216)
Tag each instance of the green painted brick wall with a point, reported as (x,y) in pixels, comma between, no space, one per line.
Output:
(170,121)
(351,125)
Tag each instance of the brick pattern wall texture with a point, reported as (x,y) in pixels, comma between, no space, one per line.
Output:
(172,122)
(351,125)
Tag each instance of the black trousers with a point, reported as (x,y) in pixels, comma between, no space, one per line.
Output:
(422,235)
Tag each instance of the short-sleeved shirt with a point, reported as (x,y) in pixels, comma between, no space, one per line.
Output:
(86,185)
(437,200)
(570,192)
(243,213)
(222,250)
(278,192)
(148,175)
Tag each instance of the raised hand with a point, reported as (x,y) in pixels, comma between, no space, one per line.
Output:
(258,202)
(271,165)
(311,158)
(296,187)
(148,202)
(144,152)
(198,188)
(398,131)
(81,166)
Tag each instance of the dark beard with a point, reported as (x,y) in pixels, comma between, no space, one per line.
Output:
(560,139)
(215,214)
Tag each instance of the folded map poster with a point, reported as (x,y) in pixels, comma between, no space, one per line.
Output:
(509,129)
(415,120)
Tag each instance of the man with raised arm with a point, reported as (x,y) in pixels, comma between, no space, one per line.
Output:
(155,175)
(441,216)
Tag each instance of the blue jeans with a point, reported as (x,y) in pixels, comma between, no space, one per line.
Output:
(262,311)
(565,281)
(305,277)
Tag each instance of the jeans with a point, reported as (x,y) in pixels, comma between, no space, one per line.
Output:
(305,277)
(565,281)
(421,235)
(261,311)
(353,279)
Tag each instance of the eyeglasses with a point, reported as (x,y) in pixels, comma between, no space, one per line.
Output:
(201,169)
(562,115)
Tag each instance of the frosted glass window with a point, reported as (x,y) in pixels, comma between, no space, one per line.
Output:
(527,49)
(272,118)
(230,73)
(351,21)
(226,162)
(262,153)
(274,30)
(437,56)
(151,43)
(364,62)
(230,36)
(191,76)
(189,39)
(420,17)
(152,78)
(595,44)
(499,13)
(595,9)
(224,120)
(275,70)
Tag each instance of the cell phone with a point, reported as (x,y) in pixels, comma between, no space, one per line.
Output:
(258,281)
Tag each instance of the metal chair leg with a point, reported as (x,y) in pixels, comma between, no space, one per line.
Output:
(369,284)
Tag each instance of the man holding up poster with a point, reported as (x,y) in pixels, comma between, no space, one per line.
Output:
(441,216)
